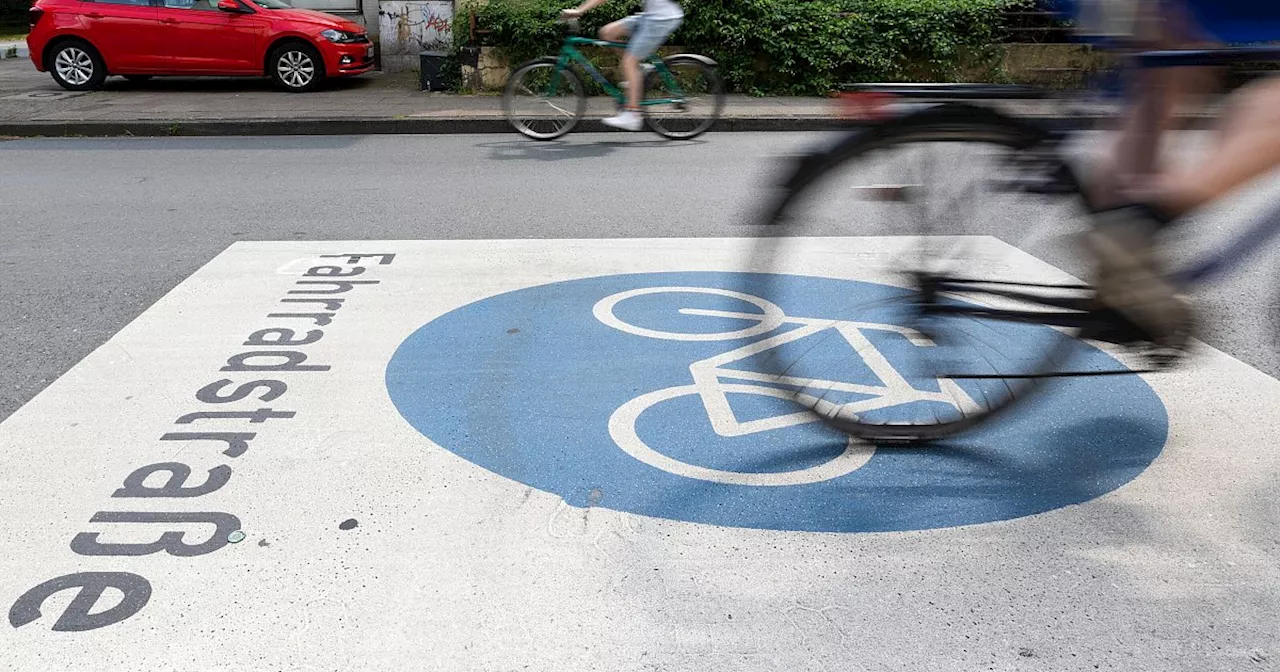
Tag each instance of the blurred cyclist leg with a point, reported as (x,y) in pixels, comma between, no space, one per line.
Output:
(1137,199)
(647,32)
(1247,146)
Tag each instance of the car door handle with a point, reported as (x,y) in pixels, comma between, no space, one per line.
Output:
(94,15)
(168,20)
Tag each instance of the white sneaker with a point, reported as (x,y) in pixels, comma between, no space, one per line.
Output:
(627,120)
(1129,277)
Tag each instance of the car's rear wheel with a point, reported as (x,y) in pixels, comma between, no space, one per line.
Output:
(76,66)
(296,67)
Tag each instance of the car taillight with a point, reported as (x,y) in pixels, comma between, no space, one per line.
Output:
(35,15)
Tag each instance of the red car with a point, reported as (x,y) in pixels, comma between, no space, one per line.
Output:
(80,42)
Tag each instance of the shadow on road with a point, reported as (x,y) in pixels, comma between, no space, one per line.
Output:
(560,150)
(978,474)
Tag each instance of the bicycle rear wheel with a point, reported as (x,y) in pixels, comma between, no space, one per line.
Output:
(901,363)
(542,102)
(696,94)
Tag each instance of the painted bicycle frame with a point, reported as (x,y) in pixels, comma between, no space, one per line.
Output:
(569,54)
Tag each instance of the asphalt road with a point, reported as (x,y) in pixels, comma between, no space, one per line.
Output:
(95,231)
(1153,544)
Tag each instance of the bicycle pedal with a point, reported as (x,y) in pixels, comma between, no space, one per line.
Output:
(1160,357)
(1113,327)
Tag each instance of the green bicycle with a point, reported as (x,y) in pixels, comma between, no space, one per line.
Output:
(544,98)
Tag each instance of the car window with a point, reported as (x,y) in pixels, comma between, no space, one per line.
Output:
(136,3)
(203,5)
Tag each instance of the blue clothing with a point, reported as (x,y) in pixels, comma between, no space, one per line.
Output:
(1237,20)
(1229,21)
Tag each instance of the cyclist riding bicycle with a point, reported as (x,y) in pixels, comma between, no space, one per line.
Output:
(647,31)
(1137,199)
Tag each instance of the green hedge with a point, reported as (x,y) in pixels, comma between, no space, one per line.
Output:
(14,12)
(795,47)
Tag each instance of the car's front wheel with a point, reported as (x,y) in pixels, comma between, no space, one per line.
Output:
(296,67)
(77,66)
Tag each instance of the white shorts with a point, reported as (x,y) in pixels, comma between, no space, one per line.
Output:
(647,34)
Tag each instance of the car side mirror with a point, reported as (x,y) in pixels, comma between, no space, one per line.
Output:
(230,6)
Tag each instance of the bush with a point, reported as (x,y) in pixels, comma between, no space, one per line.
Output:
(13,13)
(795,47)
(779,46)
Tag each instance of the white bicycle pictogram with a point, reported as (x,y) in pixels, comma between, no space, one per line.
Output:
(710,375)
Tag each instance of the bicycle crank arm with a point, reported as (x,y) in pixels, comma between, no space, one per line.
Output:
(1051,374)
(1063,302)
(1075,320)
(1007,283)
(1094,325)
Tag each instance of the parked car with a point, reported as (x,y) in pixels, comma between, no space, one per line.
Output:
(81,42)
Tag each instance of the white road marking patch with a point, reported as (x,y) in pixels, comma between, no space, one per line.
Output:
(367,545)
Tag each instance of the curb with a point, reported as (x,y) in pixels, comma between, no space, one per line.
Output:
(356,126)
(251,127)
(430,126)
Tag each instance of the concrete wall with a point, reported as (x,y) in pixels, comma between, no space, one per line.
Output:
(1057,66)
(491,73)
(402,28)
(408,27)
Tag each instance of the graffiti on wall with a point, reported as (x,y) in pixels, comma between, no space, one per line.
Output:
(407,27)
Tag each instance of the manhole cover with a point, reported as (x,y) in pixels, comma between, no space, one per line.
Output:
(45,95)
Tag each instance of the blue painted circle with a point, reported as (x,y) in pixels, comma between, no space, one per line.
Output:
(524,384)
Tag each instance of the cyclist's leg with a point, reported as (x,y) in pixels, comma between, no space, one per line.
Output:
(1248,139)
(649,34)
(1154,95)
(1247,147)
(1129,275)
(1135,157)
(619,30)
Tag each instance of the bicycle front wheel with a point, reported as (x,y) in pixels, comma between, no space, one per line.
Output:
(542,101)
(688,98)
(899,355)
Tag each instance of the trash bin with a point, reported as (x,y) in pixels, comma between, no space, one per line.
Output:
(431,69)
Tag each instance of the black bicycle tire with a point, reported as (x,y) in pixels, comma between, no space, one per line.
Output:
(576,82)
(944,123)
(719,97)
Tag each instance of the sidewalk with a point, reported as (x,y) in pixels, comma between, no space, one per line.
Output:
(32,105)
(17,49)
